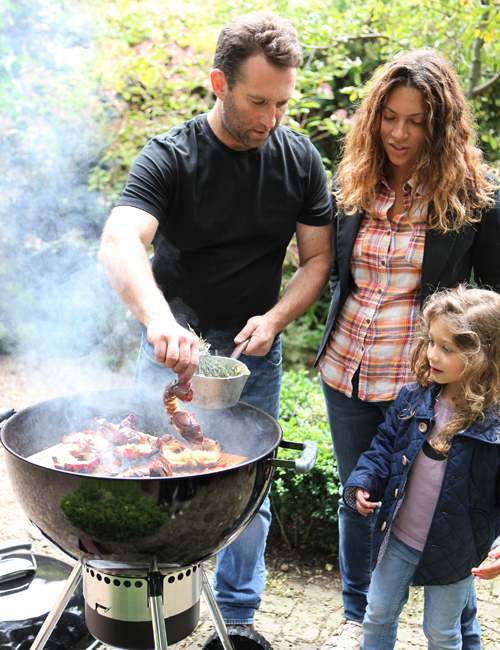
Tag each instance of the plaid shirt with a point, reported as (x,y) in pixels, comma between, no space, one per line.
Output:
(375,329)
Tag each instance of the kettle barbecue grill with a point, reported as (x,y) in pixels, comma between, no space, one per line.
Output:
(143,575)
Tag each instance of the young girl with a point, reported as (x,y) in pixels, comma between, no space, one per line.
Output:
(435,464)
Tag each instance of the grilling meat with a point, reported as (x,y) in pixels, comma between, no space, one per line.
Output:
(177,454)
(141,448)
(160,467)
(119,450)
(90,440)
(181,456)
(111,449)
(74,458)
(184,423)
(209,453)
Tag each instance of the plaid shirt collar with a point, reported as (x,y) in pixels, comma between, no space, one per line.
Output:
(386,192)
(407,187)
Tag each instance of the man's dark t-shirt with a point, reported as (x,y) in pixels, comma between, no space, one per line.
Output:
(225,219)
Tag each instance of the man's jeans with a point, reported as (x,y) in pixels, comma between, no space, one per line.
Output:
(240,574)
(389,590)
(353,425)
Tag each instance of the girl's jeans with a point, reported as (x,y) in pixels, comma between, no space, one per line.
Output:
(388,593)
(240,574)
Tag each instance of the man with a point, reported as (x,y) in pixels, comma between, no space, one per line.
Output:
(220,197)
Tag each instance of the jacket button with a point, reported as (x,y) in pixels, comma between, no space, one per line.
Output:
(396,493)
(422,427)
(405,461)
(384,526)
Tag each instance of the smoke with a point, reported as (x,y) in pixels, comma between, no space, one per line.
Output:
(55,297)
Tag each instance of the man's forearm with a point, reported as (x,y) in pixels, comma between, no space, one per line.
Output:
(129,272)
(304,288)
(123,253)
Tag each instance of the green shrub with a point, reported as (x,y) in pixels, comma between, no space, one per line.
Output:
(305,505)
(116,511)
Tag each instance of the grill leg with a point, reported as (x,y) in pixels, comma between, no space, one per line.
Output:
(55,613)
(155,582)
(214,610)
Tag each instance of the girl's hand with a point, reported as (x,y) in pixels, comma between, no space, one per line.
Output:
(364,506)
(490,570)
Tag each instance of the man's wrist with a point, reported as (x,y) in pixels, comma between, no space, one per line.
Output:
(163,314)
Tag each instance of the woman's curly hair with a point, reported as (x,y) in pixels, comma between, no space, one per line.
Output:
(473,318)
(449,161)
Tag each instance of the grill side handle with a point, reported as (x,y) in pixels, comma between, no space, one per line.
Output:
(14,564)
(6,413)
(305,462)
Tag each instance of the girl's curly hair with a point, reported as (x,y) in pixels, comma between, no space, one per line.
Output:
(449,161)
(473,318)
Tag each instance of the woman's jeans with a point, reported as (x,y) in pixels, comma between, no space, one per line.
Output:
(353,425)
(389,590)
(240,574)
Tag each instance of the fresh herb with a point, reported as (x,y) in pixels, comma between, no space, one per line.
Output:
(212,366)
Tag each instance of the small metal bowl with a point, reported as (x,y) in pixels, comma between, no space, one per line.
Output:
(220,392)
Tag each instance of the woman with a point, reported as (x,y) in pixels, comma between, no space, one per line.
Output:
(415,211)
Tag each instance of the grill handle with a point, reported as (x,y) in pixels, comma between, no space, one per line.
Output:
(305,462)
(14,547)
(6,413)
(15,565)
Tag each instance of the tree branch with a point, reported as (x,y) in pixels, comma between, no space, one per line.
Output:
(475,66)
(479,89)
(345,38)
(282,529)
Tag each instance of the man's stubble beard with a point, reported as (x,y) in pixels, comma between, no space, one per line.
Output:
(233,125)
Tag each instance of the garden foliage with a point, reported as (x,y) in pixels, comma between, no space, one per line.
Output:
(84,85)
(305,505)
(52,127)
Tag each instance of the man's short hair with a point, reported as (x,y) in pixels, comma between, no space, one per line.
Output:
(261,32)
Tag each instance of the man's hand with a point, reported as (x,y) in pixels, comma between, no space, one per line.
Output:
(175,346)
(364,506)
(261,334)
(491,569)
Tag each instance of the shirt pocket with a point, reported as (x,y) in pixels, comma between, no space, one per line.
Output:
(415,250)
(367,245)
